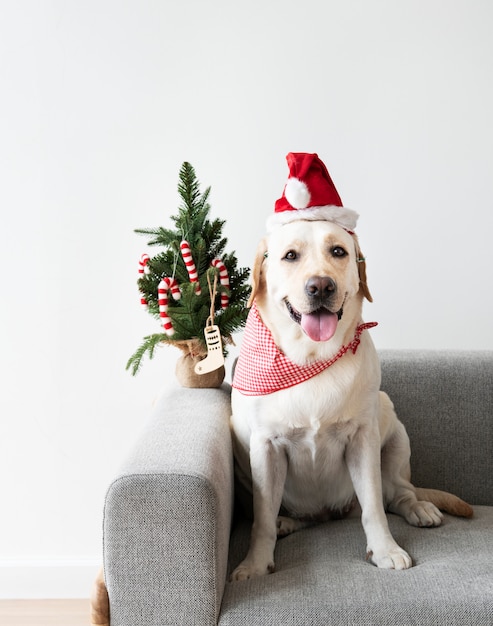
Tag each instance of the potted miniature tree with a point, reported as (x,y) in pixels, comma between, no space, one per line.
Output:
(195,289)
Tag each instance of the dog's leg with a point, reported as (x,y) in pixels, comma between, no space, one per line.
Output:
(269,467)
(399,493)
(363,461)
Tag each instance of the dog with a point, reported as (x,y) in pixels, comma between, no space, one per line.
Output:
(314,450)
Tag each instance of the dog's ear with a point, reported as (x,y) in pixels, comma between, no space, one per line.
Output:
(361,261)
(258,282)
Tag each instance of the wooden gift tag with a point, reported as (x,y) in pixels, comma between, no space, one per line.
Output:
(214,359)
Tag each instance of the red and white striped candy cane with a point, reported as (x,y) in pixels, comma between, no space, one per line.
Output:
(191,269)
(224,280)
(143,265)
(162,290)
(144,269)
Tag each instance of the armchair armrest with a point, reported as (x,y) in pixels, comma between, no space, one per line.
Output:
(167,516)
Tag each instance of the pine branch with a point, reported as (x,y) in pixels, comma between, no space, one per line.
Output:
(202,205)
(188,187)
(160,236)
(149,345)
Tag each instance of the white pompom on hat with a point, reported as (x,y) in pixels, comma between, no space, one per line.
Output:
(310,194)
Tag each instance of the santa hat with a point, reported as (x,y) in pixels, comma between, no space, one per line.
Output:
(310,194)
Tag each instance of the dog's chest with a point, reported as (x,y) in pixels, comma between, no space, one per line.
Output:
(317,476)
(311,410)
(312,427)
(316,442)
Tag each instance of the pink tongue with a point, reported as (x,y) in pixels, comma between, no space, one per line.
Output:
(319,326)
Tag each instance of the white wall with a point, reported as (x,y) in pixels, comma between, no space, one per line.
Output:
(101,102)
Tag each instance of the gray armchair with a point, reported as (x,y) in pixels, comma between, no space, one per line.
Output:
(171,534)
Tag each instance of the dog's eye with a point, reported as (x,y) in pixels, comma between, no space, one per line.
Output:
(338,251)
(291,255)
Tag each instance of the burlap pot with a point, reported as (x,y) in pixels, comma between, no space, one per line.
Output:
(193,352)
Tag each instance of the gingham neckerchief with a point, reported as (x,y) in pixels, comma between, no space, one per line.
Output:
(262,368)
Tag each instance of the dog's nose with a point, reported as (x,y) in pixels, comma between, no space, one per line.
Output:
(320,287)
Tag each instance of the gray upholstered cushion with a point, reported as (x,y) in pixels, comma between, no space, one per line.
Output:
(322,578)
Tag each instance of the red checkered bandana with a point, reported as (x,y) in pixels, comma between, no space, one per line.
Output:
(262,368)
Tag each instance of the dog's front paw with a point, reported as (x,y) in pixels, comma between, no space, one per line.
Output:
(287,525)
(423,514)
(250,569)
(394,558)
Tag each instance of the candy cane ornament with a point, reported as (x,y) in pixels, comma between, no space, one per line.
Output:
(162,290)
(190,265)
(224,280)
(144,269)
(143,265)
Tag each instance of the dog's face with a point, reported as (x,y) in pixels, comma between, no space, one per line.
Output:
(309,271)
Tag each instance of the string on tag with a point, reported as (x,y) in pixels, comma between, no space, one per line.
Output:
(175,263)
(215,358)
(212,295)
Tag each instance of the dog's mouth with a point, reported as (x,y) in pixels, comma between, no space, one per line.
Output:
(319,325)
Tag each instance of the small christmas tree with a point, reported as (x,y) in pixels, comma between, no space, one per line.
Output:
(177,284)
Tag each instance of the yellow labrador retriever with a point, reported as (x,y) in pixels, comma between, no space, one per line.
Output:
(314,449)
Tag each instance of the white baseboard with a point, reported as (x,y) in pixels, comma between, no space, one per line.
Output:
(45,579)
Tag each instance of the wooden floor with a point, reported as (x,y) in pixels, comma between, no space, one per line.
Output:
(44,612)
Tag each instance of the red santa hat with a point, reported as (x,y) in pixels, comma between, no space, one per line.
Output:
(310,194)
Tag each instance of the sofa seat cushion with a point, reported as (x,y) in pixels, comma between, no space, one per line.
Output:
(322,577)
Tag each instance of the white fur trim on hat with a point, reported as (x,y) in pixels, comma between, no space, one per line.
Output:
(344,217)
(297,193)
